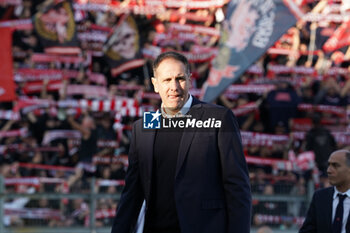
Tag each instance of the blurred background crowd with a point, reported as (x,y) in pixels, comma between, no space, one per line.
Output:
(75,104)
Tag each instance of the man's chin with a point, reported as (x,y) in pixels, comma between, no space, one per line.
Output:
(172,108)
(174,105)
(332,183)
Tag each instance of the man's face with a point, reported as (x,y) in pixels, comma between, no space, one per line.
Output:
(172,82)
(338,171)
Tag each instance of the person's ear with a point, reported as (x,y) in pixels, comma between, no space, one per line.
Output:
(190,81)
(155,84)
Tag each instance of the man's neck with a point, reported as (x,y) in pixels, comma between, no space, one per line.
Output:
(343,188)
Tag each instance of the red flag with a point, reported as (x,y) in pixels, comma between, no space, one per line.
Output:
(340,38)
(7,85)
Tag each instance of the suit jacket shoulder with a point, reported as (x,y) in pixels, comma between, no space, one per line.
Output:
(324,192)
(206,105)
(319,215)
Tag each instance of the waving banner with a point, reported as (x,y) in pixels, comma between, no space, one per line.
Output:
(56,28)
(7,84)
(122,49)
(250,28)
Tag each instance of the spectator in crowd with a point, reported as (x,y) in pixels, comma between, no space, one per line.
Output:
(79,212)
(329,208)
(330,93)
(106,133)
(88,147)
(259,181)
(298,189)
(319,140)
(104,206)
(88,132)
(282,105)
(345,94)
(60,157)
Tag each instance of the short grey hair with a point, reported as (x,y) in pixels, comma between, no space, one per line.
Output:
(347,155)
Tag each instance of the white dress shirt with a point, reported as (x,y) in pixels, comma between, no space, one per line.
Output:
(346,207)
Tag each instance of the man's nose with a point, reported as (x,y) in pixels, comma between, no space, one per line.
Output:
(174,84)
(329,169)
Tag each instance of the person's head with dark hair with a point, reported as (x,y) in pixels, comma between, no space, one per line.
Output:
(187,46)
(316,119)
(88,122)
(172,81)
(171,55)
(62,145)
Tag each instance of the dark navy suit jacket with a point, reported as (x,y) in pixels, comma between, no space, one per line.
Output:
(212,190)
(319,215)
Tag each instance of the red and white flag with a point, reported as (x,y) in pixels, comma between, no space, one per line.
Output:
(340,38)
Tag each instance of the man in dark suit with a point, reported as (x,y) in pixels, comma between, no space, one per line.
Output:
(194,179)
(329,208)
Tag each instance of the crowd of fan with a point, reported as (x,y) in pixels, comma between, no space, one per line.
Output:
(275,114)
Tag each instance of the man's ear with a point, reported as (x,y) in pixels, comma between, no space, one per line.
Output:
(155,84)
(190,81)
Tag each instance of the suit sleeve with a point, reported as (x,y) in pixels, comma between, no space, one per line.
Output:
(235,175)
(132,195)
(309,225)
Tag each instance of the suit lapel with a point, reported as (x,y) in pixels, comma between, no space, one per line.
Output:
(147,152)
(188,134)
(329,207)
